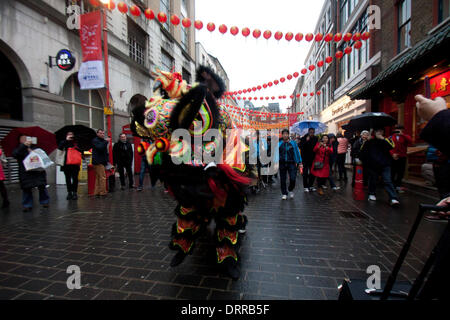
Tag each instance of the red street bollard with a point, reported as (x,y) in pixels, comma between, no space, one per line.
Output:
(91,180)
(358,190)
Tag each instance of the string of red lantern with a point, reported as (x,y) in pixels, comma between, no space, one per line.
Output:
(234,30)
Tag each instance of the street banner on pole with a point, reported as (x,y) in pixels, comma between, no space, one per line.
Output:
(91,74)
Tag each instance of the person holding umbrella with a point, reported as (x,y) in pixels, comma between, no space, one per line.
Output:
(307,144)
(375,155)
(30,179)
(72,162)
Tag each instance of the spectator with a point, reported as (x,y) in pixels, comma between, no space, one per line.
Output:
(144,164)
(71,168)
(99,161)
(321,164)
(123,160)
(333,157)
(399,154)
(290,159)
(376,156)
(343,146)
(307,144)
(2,179)
(30,179)
(355,154)
(431,159)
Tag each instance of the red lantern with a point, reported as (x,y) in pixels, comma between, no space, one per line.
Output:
(186,22)
(299,36)
(278,35)
(365,35)
(312,67)
(254,89)
(279,97)
(198,24)
(305,94)
(291,96)
(270,84)
(122,6)
(275,82)
(267,34)
(149,14)
(320,63)
(211,27)
(258,87)
(289,36)
(337,37)
(328,37)
(309,37)
(348,50)
(244,98)
(312,94)
(175,20)
(357,45)
(162,17)
(296,74)
(234,30)
(282,79)
(246,32)
(110,5)
(250,98)
(298,95)
(95,3)
(339,54)
(264,86)
(261,98)
(347,37)
(289,77)
(135,11)
(318,93)
(267,98)
(284,97)
(328,59)
(256,33)
(240,91)
(304,71)
(319,37)
(245,90)
(223,29)
(356,36)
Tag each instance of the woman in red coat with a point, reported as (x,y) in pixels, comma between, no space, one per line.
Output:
(321,163)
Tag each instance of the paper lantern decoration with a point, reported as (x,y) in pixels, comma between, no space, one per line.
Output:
(149,14)
(175,20)
(338,37)
(296,74)
(291,96)
(339,54)
(223,29)
(357,45)
(162,17)
(348,50)
(110,5)
(267,34)
(267,98)
(328,59)
(258,87)
(312,94)
(318,93)
(276,82)
(135,11)
(240,91)
(254,89)
(245,90)
(270,84)
(122,7)
(246,32)
(256,33)
(318,37)
(304,71)
(186,22)
(320,63)
(282,79)
(289,77)
(264,86)
(273,98)
(298,95)
(311,67)
(198,25)
(234,30)
(328,37)
(211,26)
(284,97)
(289,36)
(278,35)
(299,37)
(95,3)
(347,37)
(309,37)
(357,36)
(365,35)
(305,94)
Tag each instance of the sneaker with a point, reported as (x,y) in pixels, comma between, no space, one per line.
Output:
(394,202)
(336,188)
(306,189)
(312,189)
(139,189)
(372,198)
(324,187)
(284,197)
(291,195)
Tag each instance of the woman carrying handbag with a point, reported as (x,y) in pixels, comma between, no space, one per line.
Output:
(321,163)
(72,163)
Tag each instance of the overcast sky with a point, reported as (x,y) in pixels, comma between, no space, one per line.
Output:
(249,62)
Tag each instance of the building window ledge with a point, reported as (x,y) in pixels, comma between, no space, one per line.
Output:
(446,21)
(400,54)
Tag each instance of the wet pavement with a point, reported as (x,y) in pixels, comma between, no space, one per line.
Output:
(293,249)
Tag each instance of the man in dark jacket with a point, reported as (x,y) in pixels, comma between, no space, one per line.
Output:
(399,154)
(30,179)
(376,156)
(99,161)
(289,160)
(307,144)
(355,154)
(123,159)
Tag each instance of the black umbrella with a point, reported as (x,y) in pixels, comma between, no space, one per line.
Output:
(370,120)
(83,135)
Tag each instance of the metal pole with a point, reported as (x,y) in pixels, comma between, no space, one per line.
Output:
(105,49)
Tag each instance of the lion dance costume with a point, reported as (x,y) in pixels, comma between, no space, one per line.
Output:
(204,191)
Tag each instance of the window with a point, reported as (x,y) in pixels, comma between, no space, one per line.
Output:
(186,76)
(82,106)
(184,37)
(443,10)
(343,14)
(166,62)
(324,98)
(164,6)
(184,8)
(404,25)
(137,40)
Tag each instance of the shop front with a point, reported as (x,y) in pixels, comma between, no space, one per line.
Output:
(340,112)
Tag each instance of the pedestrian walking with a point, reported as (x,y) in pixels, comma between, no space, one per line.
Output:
(99,161)
(399,154)
(30,179)
(320,168)
(307,144)
(343,146)
(333,157)
(123,160)
(355,154)
(2,179)
(376,156)
(72,163)
(289,160)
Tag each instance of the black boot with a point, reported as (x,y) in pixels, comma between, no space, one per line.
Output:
(74,196)
(232,269)
(69,196)
(178,259)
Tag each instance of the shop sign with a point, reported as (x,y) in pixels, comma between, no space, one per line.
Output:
(440,85)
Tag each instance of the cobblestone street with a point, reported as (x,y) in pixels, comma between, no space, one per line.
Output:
(293,249)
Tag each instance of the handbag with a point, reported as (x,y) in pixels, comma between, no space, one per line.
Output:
(73,157)
(320,164)
(60,157)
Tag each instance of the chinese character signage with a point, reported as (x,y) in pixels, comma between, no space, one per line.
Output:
(65,60)
(91,74)
(440,85)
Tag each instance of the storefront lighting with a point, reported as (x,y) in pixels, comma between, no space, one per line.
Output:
(435,66)
(409,78)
